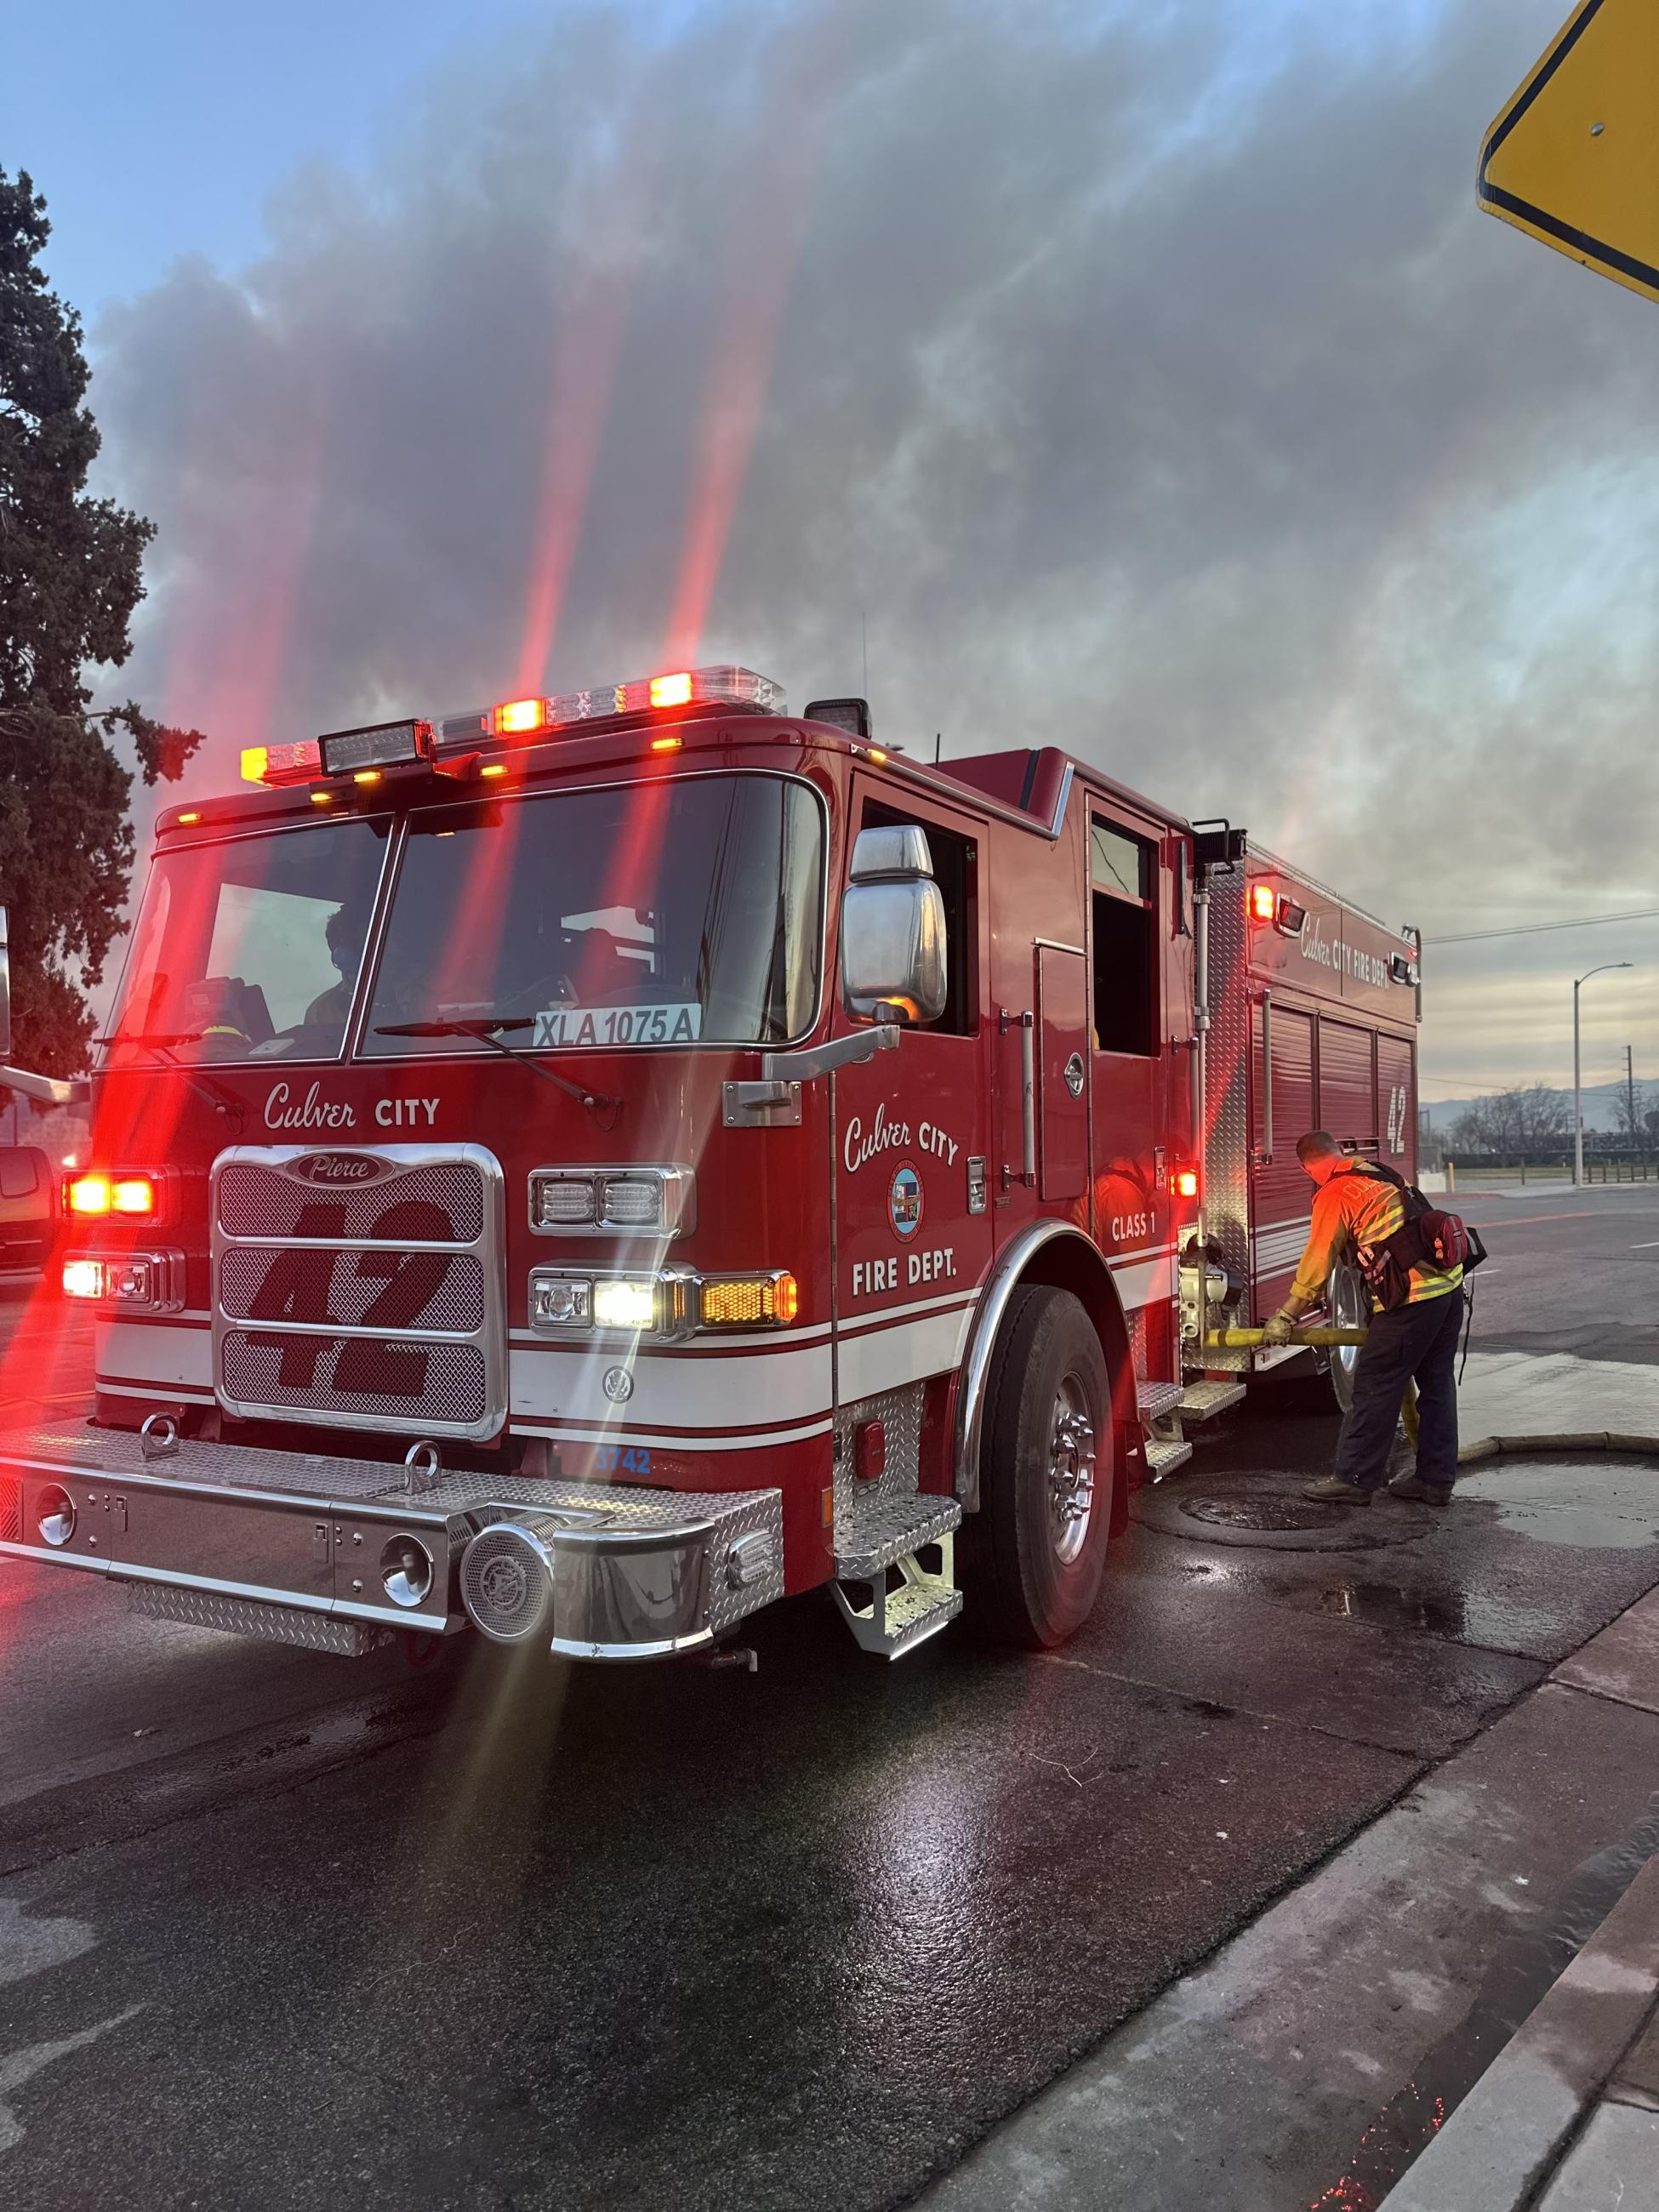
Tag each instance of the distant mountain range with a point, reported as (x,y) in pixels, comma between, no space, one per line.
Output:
(1599,1103)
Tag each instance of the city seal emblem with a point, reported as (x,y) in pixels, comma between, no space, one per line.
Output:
(904,1202)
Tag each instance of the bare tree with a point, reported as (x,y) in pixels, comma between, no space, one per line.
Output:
(1509,1122)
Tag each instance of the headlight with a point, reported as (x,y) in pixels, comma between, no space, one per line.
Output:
(563,1301)
(139,1282)
(626,1301)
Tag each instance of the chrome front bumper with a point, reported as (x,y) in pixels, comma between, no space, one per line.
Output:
(310,1549)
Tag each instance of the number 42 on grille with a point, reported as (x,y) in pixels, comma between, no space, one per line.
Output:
(583,1169)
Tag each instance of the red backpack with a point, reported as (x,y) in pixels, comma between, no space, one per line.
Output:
(1428,1237)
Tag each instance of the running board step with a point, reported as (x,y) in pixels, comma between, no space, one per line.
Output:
(1154,1400)
(868,1542)
(1203,1401)
(894,1621)
(1165,1455)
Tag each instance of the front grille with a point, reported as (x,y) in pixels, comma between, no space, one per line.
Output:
(431,1290)
(259,1200)
(377,1301)
(443,1383)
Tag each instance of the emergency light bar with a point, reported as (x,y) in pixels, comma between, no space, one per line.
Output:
(364,753)
(724,686)
(382,744)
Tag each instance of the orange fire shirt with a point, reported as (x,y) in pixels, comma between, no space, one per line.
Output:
(1353,1203)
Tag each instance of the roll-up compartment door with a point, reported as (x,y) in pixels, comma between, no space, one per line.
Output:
(1396,1093)
(1281,1195)
(1347,1084)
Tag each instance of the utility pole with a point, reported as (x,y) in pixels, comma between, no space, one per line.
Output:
(1630,1094)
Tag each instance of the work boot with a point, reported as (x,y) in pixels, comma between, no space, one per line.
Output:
(1333,1487)
(1420,1493)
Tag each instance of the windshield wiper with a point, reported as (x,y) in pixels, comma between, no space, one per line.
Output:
(222,1102)
(483,1029)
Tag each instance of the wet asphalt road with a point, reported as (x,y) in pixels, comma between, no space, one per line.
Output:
(1570,1271)
(490,1936)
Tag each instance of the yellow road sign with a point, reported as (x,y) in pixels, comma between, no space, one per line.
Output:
(1573,158)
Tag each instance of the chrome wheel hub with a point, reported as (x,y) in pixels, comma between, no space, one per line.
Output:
(1071,1472)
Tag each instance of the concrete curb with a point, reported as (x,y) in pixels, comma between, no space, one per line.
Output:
(1503,2141)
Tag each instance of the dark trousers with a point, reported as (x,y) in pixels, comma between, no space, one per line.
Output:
(1414,1342)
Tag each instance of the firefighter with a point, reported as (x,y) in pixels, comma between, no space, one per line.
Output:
(1415,1338)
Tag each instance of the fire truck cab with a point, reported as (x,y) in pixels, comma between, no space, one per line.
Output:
(589,1168)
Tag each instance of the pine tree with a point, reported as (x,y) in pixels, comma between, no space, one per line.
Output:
(70,576)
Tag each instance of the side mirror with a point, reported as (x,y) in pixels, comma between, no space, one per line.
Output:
(892,929)
(6,991)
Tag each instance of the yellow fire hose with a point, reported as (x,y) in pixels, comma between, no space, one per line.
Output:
(1588,1440)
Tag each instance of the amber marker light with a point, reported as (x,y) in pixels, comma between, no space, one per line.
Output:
(666,744)
(877,755)
(191,816)
(520,717)
(748,1301)
(366,775)
(494,769)
(322,799)
(671,690)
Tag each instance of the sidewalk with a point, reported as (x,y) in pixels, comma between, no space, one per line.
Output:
(1310,2057)
(1573,2101)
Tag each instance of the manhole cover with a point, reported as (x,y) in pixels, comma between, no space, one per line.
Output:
(1266,1512)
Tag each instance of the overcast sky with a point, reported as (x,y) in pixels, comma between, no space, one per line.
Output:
(1141,379)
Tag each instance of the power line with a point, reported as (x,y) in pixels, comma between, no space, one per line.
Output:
(1537,928)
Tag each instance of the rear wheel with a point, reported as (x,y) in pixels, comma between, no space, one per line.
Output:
(1034,1554)
(1349,1307)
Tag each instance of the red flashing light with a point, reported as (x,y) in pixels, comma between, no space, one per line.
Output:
(1184,1182)
(1264,903)
(90,1195)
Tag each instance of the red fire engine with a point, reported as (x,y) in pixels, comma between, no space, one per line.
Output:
(591,1167)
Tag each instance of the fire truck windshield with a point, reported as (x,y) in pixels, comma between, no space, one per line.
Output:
(250,950)
(688,909)
(682,911)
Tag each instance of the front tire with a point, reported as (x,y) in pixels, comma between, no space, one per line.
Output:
(1035,1551)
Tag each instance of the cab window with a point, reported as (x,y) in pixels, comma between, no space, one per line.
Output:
(955,863)
(1123,895)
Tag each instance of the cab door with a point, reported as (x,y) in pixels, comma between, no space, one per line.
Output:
(911,1136)
(1130,1190)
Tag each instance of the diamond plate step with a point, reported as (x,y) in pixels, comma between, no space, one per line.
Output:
(896,1621)
(244,1616)
(1202,1402)
(1154,1400)
(1164,1459)
(870,1542)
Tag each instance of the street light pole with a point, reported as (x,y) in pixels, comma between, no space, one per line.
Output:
(1577,1107)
